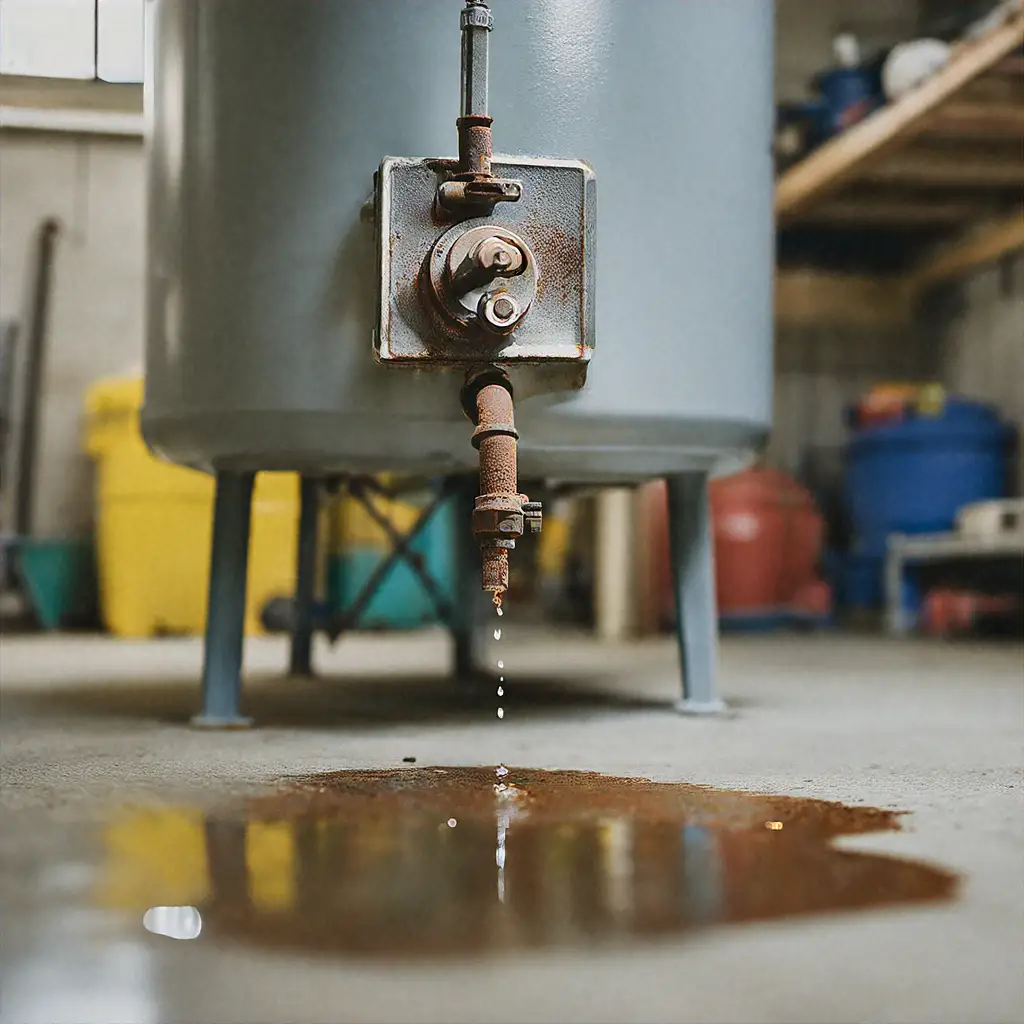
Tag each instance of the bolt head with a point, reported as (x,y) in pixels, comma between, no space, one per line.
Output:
(504,308)
(499,311)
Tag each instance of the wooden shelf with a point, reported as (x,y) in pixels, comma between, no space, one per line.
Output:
(946,159)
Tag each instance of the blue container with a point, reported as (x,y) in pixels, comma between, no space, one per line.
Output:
(913,476)
(850,94)
(859,581)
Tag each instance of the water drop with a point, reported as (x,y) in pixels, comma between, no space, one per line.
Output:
(501,712)
(452,822)
(501,771)
(501,611)
(501,691)
(501,664)
(497,634)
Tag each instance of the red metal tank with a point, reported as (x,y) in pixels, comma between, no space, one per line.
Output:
(768,536)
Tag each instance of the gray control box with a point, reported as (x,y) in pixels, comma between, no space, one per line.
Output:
(555,218)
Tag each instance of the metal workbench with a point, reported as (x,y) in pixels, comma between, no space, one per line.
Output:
(935,547)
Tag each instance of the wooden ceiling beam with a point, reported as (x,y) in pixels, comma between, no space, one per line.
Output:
(972,250)
(960,119)
(813,298)
(911,212)
(947,170)
(844,157)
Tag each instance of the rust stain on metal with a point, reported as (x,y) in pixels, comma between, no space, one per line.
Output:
(494,572)
(498,512)
(558,256)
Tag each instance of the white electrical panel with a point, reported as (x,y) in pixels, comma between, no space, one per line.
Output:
(48,38)
(73,39)
(120,40)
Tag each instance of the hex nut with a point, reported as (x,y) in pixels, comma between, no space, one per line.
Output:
(499,311)
(533,515)
(493,522)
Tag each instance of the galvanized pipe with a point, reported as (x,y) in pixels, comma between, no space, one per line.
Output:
(476,22)
(474,123)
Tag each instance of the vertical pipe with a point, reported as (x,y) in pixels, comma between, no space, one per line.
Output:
(301,662)
(614,564)
(35,366)
(225,615)
(471,603)
(693,580)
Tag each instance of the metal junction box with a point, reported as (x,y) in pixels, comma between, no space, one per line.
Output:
(552,224)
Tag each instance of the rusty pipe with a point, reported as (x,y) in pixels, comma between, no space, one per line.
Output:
(498,513)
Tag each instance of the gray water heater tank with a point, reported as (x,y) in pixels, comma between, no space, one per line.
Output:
(269,119)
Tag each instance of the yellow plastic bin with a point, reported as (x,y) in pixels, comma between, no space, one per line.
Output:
(154,521)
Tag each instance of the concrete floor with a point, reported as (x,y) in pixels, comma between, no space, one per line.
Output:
(89,724)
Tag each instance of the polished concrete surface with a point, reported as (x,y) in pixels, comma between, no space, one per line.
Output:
(94,731)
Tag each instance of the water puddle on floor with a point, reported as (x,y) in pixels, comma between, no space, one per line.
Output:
(433,861)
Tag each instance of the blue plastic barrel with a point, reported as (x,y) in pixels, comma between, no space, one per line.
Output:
(850,94)
(914,475)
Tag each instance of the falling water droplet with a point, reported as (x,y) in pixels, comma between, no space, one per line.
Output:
(501,771)
(501,611)
(501,691)
(501,712)
(452,822)
(497,634)
(501,664)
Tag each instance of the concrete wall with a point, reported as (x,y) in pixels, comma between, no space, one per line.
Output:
(981,339)
(94,186)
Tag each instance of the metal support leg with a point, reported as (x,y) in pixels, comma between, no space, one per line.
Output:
(472,604)
(693,579)
(301,663)
(225,617)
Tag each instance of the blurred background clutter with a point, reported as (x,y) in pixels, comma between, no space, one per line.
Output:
(394,804)
(887,491)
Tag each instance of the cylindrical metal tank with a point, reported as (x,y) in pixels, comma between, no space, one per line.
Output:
(269,119)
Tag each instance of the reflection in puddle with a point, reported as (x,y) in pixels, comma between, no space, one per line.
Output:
(174,922)
(372,863)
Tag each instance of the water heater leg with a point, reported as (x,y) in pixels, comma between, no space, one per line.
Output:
(225,618)
(693,580)
(301,662)
(471,604)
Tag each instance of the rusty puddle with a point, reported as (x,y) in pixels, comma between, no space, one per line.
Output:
(434,861)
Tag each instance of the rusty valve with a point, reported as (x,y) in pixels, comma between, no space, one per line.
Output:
(501,513)
(480,278)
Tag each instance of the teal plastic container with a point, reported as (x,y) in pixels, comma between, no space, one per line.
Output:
(59,577)
(401,602)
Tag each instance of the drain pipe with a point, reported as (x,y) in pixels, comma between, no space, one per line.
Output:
(500,512)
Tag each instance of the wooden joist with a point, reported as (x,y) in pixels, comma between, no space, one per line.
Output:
(846,156)
(930,170)
(904,212)
(974,249)
(974,120)
(814,298)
